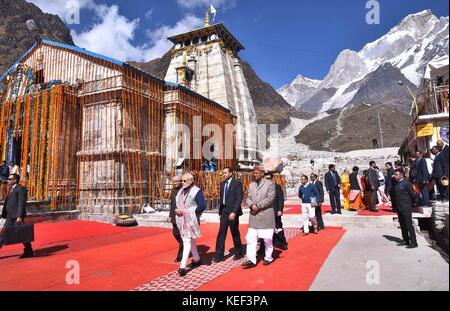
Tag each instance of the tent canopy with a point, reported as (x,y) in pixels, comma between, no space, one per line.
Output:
(436,67)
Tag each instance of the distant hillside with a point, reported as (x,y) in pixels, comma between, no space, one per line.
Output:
(16,39)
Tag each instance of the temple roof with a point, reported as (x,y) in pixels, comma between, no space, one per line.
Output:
(218,29)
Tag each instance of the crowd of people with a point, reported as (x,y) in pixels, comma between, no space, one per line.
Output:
(402,186)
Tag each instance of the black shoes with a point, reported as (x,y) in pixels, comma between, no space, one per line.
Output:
(412,245)
(238,257)
(403,244)
(266,262)
(26,255)
(218,259)
(374,210)
(195,264)
(248,264)
(182,272)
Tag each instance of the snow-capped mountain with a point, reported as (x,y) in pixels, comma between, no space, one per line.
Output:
(299,91)
(409,46)
(348,67)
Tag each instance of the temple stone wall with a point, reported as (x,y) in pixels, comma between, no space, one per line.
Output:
(219,77)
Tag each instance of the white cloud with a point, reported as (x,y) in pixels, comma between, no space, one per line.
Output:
(158,37)
(113,34)
(62,8)
(191,4)
(149,14)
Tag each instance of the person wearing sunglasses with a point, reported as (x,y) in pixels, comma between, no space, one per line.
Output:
(190,203)
(14,211)
(405,200)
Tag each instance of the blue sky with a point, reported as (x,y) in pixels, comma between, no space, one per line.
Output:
(283,38)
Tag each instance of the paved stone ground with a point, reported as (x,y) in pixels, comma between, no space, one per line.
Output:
(423,268)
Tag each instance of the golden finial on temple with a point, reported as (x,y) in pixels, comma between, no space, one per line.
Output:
(207,18)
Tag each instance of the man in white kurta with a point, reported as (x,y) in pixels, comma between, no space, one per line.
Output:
(260,200)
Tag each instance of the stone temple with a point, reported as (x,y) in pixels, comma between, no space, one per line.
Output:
(206,61)
(97,134)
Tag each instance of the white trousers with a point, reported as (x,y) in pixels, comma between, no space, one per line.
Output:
(308,213)
(189,245)
(252,242)
(381,194)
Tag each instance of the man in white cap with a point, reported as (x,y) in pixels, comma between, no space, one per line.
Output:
(260,200)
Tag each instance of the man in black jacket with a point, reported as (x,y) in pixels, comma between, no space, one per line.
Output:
(398,165)
(440,169)
(321,199)
(231,195)
(176,182)
(279,239)
(14,210)
(443,159)
(372,184)
(389,176)
(333,186)
(422,177)
(405,198)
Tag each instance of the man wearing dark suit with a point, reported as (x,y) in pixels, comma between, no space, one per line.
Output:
(443,160)
(176,182)
(321,199)
(231,196)
(423,177)
(398,165)
(440,169)
(14,210)
(405,197)
(279,239)
(373,183)
(333,186)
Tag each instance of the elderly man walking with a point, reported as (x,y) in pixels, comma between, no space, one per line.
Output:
(176,182)
(261,200)
(190,202)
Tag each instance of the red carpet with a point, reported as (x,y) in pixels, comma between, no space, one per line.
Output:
(115,258)
(382,211)
(111,258)
(295,270)
(297,209)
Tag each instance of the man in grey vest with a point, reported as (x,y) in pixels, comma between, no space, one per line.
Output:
(260,200)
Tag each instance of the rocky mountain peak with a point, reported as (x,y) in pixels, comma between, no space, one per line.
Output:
(347,67)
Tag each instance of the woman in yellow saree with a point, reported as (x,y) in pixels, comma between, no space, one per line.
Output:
(346,189)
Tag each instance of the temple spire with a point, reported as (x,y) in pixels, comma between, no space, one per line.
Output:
(207,18)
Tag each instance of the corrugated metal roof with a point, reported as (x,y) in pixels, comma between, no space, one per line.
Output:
(84,51)
(108,59)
